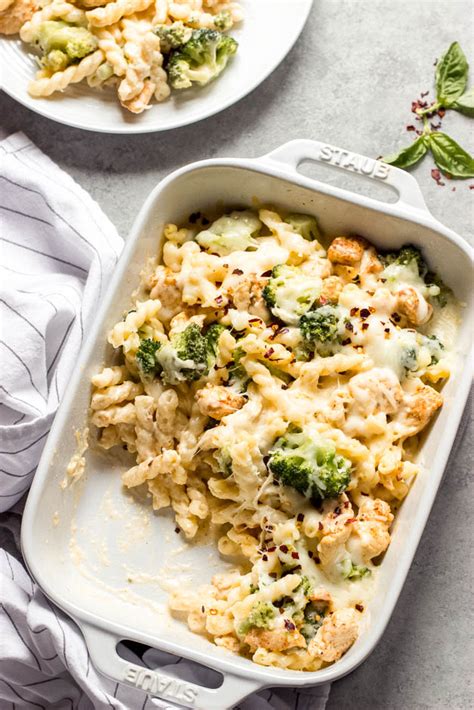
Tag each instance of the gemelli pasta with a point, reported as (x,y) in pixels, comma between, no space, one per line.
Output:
(271,385)
(142,48)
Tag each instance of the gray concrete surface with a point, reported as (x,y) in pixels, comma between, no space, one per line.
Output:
(349,81)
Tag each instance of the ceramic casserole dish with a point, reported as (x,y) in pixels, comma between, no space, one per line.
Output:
(103,557)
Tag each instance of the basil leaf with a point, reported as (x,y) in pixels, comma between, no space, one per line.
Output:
(407,157)
(465,103)
(451,75)
(450,157)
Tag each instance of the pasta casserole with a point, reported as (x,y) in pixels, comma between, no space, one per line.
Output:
(143,48)
(272,386)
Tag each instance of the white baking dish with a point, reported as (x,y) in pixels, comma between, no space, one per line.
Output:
(115,538)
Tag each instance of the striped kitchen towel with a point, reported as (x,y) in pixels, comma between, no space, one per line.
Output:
(57,253)
(58,250)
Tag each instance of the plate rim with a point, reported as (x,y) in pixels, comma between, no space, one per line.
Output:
(135,129)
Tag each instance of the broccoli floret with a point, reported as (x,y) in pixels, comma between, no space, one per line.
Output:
(261,616)
(351,571)
(313,618)
(56,60)
(223,21)
(74,42)
(304,586)
(238,377)
(290,293)
(311,466)
(305,225)
(408,255)
(212,338)
(232,232)
(185,357)
(224,461)
(322,328)
(146,356)
(433,281)
(173,36)
(434,346)
(201,59)
(409,358)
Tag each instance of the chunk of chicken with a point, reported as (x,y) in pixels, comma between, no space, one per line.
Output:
(331,290)
(217,401)
(164,287)
(335,530)
(336,634)
(15,14)
(417,408)
(247,296)
(274,639)
(347,250)
(370,536)
(413,306)
(377,390)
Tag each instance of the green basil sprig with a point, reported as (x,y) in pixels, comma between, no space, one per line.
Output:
(451,80)
(451,75)
(450,157)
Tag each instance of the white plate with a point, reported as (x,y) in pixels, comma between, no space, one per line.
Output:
(270,29)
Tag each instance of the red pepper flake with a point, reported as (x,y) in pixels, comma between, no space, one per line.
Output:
(453,189)
(177,530)
(354,311)
(365,313)
(265,558)
(271,549)
(337,511)
(295,555)
(435,126)
(317,560)
(441,112)
(269,353)
(386,330)
(346,504)
(471,187)
(283,548)
(365,326)
(203,609)
(320,526)
(267,273)
(255,320)
(238,272)
(359,607)
(273,574)
(300,517)
(436,175)
(396,317)
(411,128)
(310,554)
(364,494)
(349,326)
(289,625)
(349,521)
(346,341)
(219,299)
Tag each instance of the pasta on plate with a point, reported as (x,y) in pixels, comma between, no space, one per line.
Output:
(143,48)
(273,390)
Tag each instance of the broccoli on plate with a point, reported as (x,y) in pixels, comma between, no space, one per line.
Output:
(310,465)
(61,43)
(201,59)
(232,232)
(351,571)
(173,36)
(290,293)
(409,266)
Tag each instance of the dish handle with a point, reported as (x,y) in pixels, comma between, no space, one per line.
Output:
(292,154)
(102,646)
